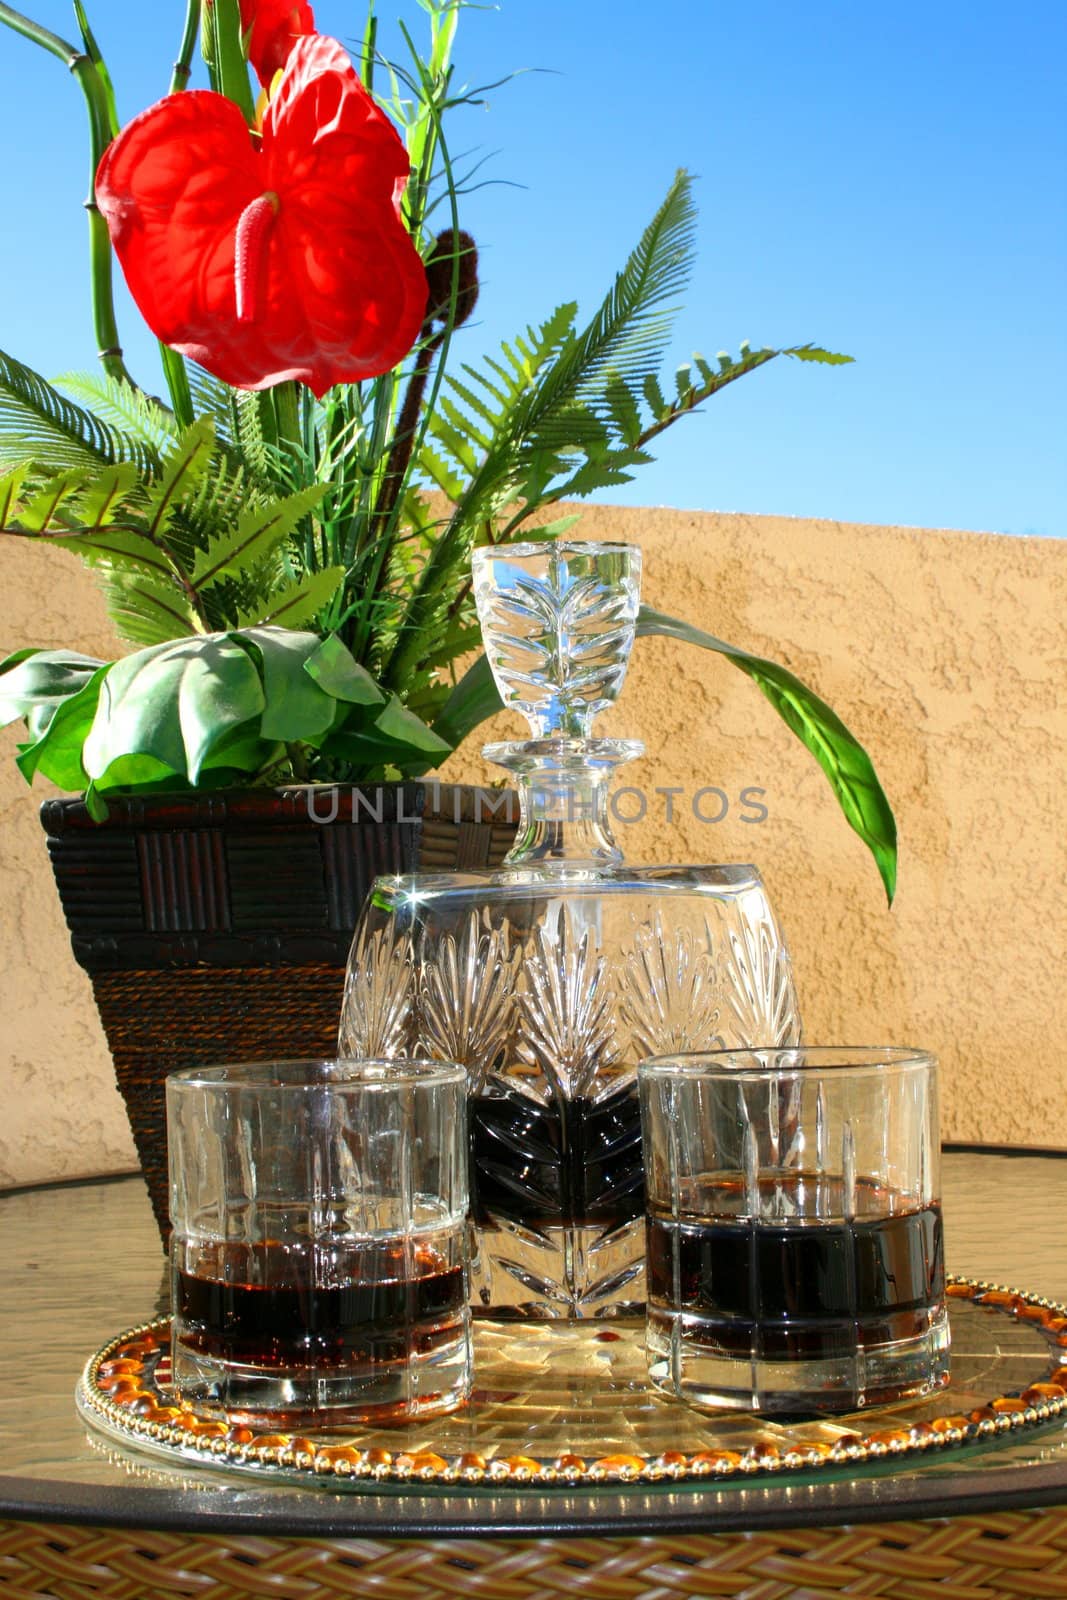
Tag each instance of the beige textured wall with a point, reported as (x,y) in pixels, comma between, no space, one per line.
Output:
(944,652)
(60,1112)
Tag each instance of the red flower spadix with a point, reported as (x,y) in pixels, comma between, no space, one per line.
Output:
(272,28)
(277,258)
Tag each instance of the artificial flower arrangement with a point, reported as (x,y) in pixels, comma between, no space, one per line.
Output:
(286,544)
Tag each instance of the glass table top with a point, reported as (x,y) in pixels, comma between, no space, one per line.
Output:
(83,1262)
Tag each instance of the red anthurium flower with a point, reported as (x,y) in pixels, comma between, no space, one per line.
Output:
(273,27)
(282,257)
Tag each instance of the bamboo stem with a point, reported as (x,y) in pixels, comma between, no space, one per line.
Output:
(96,100)
(184,65)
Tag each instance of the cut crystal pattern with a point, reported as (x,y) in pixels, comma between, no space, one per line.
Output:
(551,978)
(670,988)
(760,1001)
(466,999)
(558,629)
(566,1028)
(377,1018)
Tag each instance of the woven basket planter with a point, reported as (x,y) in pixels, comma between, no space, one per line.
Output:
(217,928)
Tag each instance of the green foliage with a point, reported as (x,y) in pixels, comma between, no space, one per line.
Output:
(39,424)
(294,574)
(204,711)
(846,764)
(561,414)
(184,547)
(130,411)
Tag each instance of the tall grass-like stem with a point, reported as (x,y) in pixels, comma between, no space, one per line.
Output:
(95,91)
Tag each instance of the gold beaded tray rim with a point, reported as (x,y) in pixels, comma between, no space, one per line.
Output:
(203,1441)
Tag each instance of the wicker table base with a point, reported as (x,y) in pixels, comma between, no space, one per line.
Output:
(1013,1555)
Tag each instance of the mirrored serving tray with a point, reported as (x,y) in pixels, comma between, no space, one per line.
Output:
(568,1404)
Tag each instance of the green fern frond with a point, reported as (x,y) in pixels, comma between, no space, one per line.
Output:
(249,440)
(51,506)
(814,352)
(11,483)
(434,469)
(184,469)
(629,332)
(144,610)
(256,536)
(125,408)
(506,384)
(296,604)
(39,424)
(563,385)
(216,501)
(212,398)
(69,504)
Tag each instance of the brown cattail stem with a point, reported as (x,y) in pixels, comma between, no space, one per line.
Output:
(452,284)
(404,438)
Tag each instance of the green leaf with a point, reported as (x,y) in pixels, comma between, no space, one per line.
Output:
(293,604)
(564,409)
(469,428)
(258,532)
(123,549)
(337,672)
(239,751)
(220,690)
(126,409)
(396,738)
(654,396)
(183,468)
(144,610)
(140,774)
(56,752)
(401,728)
(41,512)
(212,398)
(624,412)
(10,484)
(102,498)
(434,467)
(843,759)
(547,530)
(295,706)
(34,684)
(626,337)
(172,703)
(812,352)
(38,423)
(474,700)
(513,379)
(17,657)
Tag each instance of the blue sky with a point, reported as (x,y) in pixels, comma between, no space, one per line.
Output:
(887,180)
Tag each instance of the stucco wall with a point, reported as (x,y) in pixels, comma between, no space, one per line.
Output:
(944,652)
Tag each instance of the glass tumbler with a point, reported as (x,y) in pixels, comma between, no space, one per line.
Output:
(318,1254)
(794,1237)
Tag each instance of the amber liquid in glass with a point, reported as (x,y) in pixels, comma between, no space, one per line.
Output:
(261,1307)
(282,1319)
(814,1308)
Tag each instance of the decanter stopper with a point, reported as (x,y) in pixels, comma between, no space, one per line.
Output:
(558,621)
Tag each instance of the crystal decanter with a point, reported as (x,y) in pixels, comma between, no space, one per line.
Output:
(551,978)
